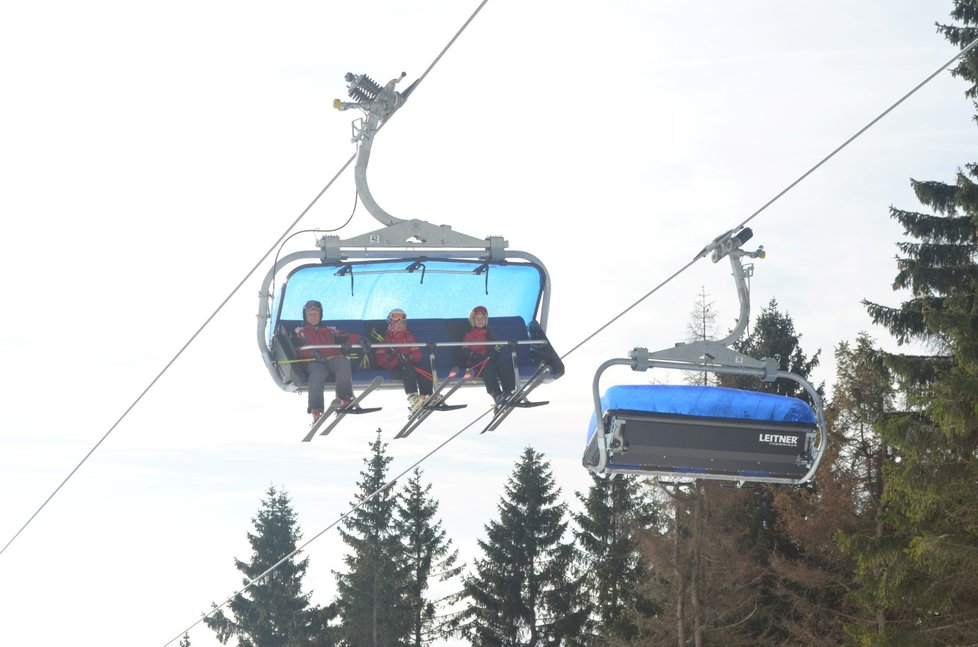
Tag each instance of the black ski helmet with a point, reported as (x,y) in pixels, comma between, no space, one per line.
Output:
(312,305)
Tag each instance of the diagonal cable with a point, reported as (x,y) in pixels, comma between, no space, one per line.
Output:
(872,123)
(177,355)
(220,307)
(767,204)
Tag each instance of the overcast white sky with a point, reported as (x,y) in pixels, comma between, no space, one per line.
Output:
(151,155)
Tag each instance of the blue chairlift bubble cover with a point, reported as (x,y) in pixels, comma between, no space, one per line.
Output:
(447,290)
(704,401)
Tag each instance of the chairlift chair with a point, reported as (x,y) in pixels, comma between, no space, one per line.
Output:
(707,432)
(432,272)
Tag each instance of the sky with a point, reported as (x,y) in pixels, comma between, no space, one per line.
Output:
(151,156)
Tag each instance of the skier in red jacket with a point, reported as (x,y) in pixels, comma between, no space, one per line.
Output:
(493,363)
(328,360)
(407,363)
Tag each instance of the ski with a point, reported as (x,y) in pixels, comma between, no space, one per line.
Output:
(518,399)
(340,413)
(436,402)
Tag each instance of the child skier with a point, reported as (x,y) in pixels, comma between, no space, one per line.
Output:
(328,360)
(406,363)
(493,363)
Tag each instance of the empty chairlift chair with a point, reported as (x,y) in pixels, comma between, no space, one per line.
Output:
(707,432)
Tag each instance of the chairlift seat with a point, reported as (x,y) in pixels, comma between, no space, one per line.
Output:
(704,431)
(506,329)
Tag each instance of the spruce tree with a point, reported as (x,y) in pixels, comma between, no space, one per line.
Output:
(427,554)
(922,568)
(961,35)
(702,326)
(521,592)
(917,572)
(702,573)
(320,627)
(844,504)
(617,511)
(864,394)
(373,602)
(774,335)
(715,554)
(273,612)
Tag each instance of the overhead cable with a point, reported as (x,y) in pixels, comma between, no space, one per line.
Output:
(767,204)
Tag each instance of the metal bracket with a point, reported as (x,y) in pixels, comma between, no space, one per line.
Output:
(618,443)
(640,359)
(331,248)
(414,235)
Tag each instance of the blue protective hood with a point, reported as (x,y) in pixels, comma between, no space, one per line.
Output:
(704,401)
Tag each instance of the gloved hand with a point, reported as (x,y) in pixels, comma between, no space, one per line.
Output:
(319,355)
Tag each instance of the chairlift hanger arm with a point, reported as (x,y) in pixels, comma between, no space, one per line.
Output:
(717,356)
(379,103)
(730,244)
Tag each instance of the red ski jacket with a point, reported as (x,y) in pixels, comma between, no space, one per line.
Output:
(478,334)
(391,357)
(324,335)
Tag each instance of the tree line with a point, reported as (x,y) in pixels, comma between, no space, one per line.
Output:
(880,548)
(532,584)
